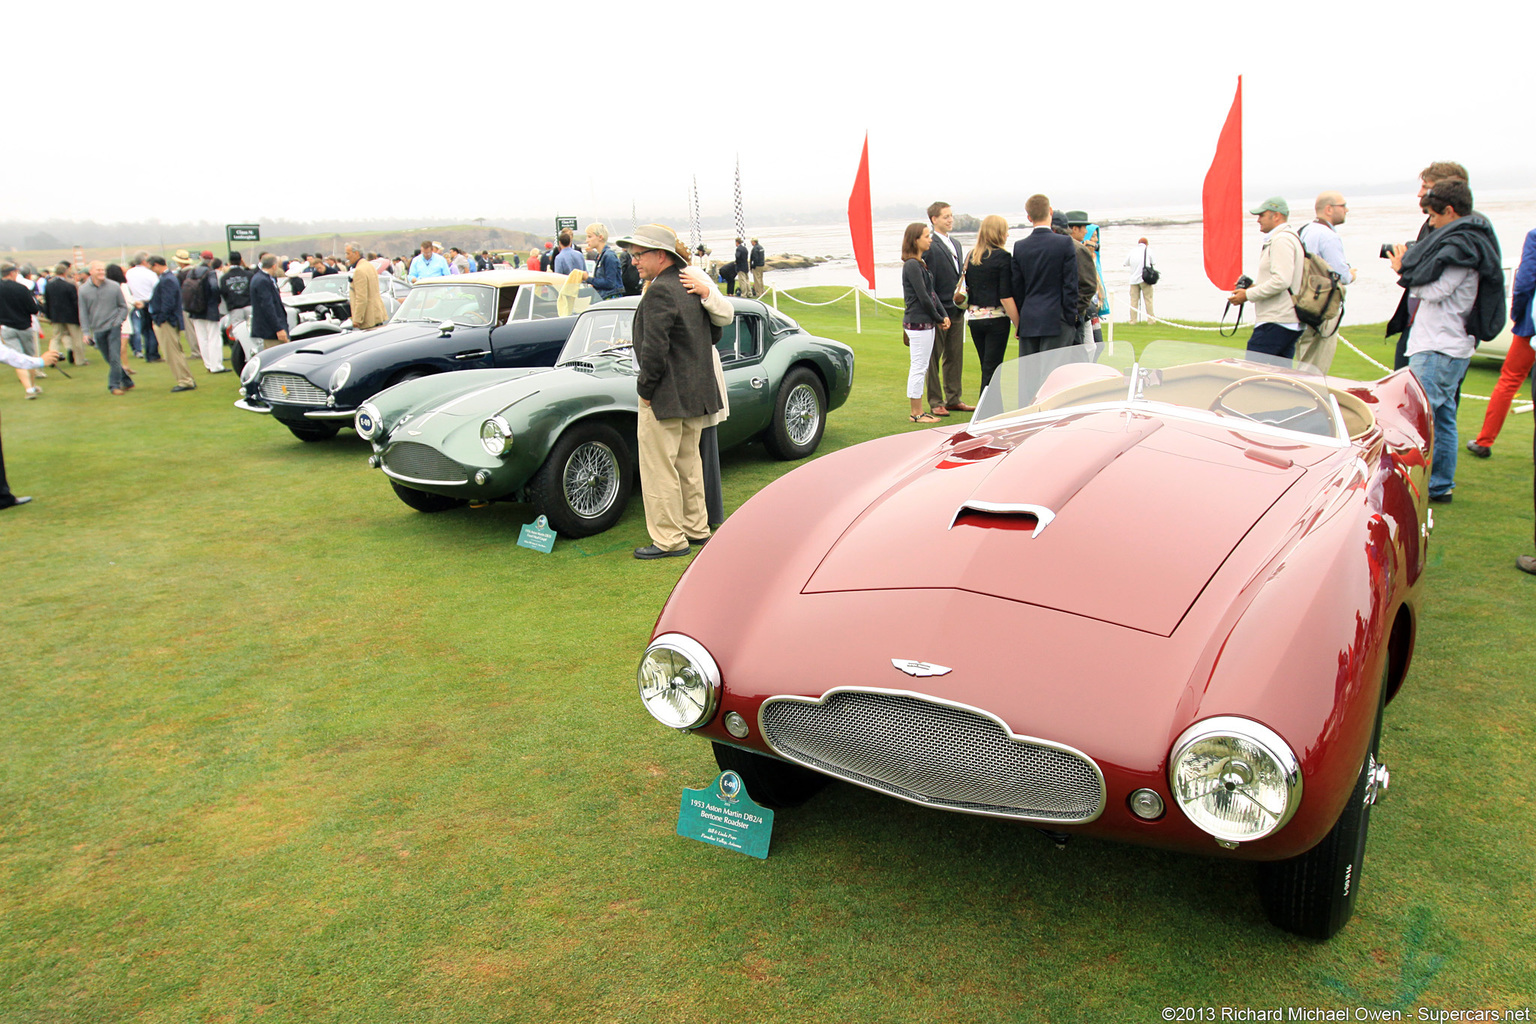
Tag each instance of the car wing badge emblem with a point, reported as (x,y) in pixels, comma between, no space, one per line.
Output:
(921,668)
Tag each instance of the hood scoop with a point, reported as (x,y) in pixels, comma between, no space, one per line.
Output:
(1105,515)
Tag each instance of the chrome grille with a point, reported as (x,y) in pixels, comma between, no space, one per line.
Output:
(423,462)
(930,752)
(299,390)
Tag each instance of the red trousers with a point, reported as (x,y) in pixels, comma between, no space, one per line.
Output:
(1517,366)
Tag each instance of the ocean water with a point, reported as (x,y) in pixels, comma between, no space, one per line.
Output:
(1184,293)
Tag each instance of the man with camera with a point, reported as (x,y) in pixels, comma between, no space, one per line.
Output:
(1275,327)
(1455,280)
(1402,317)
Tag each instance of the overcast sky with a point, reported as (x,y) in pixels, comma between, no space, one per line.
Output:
(522,109)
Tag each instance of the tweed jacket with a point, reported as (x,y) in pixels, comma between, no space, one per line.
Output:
(673,338)
(367,303)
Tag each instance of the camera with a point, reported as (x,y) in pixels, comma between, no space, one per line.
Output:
(1243,282)
(1386,249)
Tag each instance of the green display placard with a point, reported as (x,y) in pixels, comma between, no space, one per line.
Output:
(243,232)
(565,224)
(537,535)
(725,815)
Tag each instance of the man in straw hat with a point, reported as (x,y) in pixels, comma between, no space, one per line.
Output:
(673,338)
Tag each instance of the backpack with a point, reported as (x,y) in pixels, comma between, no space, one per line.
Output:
(1320,297)
(628,272)
(194,298)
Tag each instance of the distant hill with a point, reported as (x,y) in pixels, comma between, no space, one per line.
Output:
(395,242)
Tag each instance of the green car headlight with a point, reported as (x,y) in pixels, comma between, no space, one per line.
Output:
(366,422)
(679,682)
(1234,778)
(496,435)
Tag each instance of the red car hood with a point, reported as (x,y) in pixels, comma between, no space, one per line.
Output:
(1088,515)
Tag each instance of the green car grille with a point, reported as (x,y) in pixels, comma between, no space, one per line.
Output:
(423,462)
(934,753)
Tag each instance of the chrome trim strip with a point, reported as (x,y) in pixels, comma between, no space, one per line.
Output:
(931,699)
(331,414)
(1043,516)
(418,480)
(264,410)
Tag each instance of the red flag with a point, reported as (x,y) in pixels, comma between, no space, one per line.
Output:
(861,222)
(1222,201)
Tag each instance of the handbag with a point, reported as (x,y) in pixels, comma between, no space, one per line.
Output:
(1149,272)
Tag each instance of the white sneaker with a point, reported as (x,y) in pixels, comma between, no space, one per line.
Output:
(34,391)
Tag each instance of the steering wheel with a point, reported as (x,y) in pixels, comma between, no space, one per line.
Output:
(1221,408)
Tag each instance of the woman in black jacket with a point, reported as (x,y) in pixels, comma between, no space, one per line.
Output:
(989,283)
(923,312)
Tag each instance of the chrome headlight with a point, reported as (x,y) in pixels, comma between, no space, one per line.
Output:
(251,369)
(679,682)
(496,435)
(1234,778)
(340,377)
(366,422)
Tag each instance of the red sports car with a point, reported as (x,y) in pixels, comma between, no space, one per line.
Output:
(1161,600)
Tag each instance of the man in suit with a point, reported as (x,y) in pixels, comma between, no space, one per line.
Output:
(1045,283)
(269,317)
(674,341)
(944,259)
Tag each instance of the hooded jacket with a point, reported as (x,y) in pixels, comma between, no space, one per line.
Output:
(1465,242)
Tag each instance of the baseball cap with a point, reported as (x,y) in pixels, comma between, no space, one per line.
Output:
(1274,204)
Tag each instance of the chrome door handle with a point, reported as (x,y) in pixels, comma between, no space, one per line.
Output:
(758,382)
(477,354)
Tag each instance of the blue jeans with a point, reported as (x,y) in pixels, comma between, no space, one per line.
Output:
(1274,340)
(110,341)
(146,332)
(1441,375)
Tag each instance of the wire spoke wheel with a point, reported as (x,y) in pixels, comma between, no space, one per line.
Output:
(802,414)
(591,479)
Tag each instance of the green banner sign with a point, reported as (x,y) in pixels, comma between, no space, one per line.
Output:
(562,223)
(242,233)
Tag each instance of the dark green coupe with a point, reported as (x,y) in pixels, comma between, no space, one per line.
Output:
(562,438)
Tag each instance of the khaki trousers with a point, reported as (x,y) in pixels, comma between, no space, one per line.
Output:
(757,282)
(74,339)
(169,337)
(672,479)
(1141,296)
(1318,344)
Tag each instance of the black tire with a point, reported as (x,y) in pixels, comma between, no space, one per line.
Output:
(771,782)
(1313,895)
(584,485)
(315,432)
(799,416)
(425,501)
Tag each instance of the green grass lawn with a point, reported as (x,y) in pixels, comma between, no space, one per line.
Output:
(276,747)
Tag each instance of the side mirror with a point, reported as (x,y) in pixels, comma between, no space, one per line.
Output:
(446,328)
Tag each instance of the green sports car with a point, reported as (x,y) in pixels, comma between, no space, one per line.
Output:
(562,438)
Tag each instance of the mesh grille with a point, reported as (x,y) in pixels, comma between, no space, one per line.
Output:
(423,462)
(299,390)
(934,753)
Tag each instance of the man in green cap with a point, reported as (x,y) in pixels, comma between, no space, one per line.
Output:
(1275,327)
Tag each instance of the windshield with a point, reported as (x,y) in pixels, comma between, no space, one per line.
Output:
(1208,380)
(333,284)
(598,330)
(473,305)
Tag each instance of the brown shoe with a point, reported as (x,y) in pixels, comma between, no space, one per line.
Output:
(962,407)
(118,391)
(938,410)
(1526,563)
